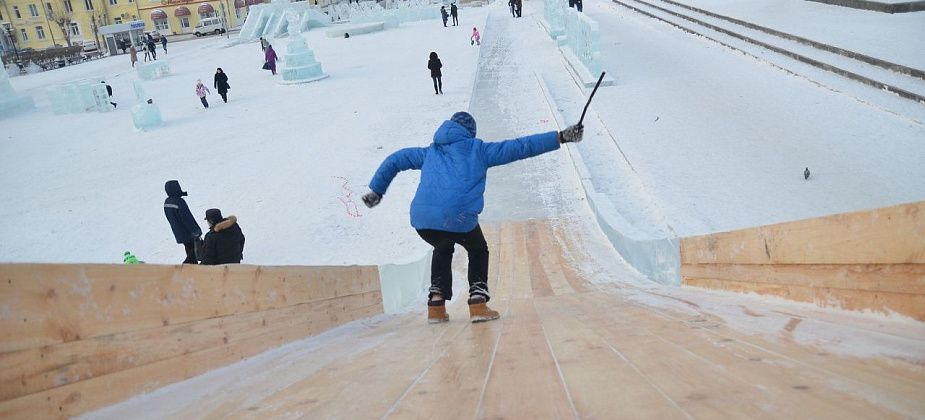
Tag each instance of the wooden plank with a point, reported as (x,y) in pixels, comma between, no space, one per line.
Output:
(48,303)
(891,235)
(906,304)
(77,398)
(710,382)
(592,372)
(538,279)
(27,371)
(897,278)
(550,260)
(366,385)
(523,381)
(521,286)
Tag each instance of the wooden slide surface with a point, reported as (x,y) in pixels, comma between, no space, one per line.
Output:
(565,347)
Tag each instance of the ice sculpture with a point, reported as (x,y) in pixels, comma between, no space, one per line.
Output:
(153,70)
(145,113)
(554,18)
(9,102)
(399,12)
(266,20)
(300,64)
(88,95)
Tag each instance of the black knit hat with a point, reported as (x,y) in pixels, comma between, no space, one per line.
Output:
(214,215)
(465,119)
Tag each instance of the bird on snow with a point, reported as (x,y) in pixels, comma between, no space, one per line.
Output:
(806,174)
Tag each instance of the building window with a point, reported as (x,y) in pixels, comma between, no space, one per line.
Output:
(67,6)
(40,32)
(23,36)
(16,12)
(117,20)
(161,24)
(48,10)
(75,29)
(34,11)
(88,4)
(113,2)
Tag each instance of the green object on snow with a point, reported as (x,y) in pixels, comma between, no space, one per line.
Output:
(128,258)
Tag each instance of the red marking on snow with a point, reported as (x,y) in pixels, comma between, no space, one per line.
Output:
(346,198)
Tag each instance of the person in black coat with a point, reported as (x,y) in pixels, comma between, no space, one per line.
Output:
(221,84)
(444,15)
(184,226)
(109,91)
(434,65)
(224,244)
(455,13)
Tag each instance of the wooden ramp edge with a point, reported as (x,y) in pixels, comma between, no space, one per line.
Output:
(872,260)
(77,337)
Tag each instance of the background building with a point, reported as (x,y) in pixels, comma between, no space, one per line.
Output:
(39,24)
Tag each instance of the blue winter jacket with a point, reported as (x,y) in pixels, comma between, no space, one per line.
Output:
(451,193)
(181,221)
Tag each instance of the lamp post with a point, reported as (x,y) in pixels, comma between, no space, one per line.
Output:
(12,37)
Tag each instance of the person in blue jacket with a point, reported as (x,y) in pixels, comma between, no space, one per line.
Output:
(184,226)
(445,209)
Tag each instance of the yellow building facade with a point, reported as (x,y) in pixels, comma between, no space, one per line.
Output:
(34,23)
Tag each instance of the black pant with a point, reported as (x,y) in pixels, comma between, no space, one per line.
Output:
(455,20)
(205,103)
(224,95)
(438,84)
(441,271)
(513,12)
(190,254)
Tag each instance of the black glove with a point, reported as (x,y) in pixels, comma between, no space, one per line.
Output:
(572,134)
(371,199)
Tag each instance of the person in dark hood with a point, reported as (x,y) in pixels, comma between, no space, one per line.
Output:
(455,13)
(450,196)
(184,226)
(221,84)
(435,65)
(444,15)
(224,243)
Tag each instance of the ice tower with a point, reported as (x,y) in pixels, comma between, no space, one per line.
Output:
(300,64)
(9,102)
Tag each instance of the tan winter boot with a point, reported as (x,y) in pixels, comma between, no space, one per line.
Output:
(436,312)
(479,310)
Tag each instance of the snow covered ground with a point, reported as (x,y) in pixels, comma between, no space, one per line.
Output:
(693,136)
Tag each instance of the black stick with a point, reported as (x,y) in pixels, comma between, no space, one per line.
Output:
(599,80)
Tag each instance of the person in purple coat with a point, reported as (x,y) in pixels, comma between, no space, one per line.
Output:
(270,57)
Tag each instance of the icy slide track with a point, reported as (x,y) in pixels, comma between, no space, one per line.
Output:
(582,334)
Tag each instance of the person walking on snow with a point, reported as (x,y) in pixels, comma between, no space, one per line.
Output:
(476,38)
(444,15)
(164,43)
(224,243)
(455,12)
(152,47)
(518,6)
(221,84)
(270,57)
(109,91)
(201,92)
(144,47)
(184,226)
(445,209)
(133,55)
(263,44)
(511,3)
(434,65)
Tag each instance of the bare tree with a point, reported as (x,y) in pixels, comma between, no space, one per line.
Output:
(63,18)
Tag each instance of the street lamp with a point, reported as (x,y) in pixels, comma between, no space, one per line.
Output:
(12,37)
